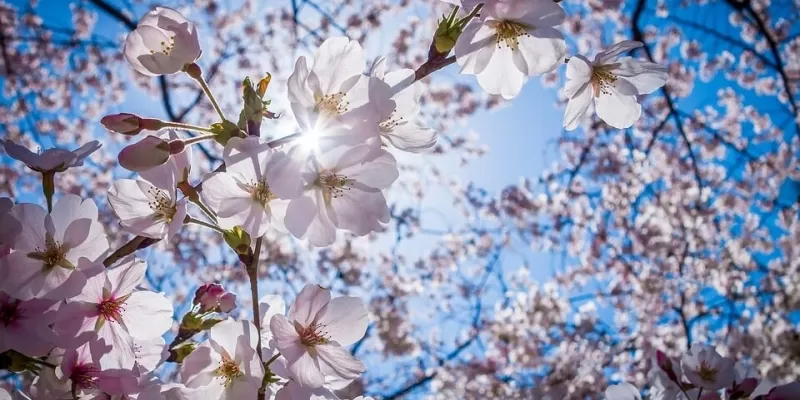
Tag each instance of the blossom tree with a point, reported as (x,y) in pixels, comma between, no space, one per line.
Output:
(669,209)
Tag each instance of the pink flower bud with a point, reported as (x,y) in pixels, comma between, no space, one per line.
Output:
(148,153)
(213,297)
(227,302)
(176,146)
(665,363)
(124,123)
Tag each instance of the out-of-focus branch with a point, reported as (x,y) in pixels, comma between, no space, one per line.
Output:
(776,54)
(638,35)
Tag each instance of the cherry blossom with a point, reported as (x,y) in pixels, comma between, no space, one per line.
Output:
(44,263)
(312,336)
(402,129)
(253,191)
(109,307)
(149,206)
(80,366)
(226,366)
(512,40)
(344,192)
(4,395)
(613,84)
(51,160)
(705,368)
(25,325)
(163,43)
(333,102)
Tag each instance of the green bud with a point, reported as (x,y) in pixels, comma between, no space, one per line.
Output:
(209,323)
(179,353)
(238,240)
(191,322)
(224,131)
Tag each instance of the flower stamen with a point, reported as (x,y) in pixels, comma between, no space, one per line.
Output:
(331,104)
(602,80)
(333,185)
(163,207)
(228,370)
(312,335)
(260,192)
(508,33)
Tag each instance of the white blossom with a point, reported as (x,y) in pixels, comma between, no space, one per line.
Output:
(163,42)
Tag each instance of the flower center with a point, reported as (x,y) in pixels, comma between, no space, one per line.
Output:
(333,185)
(260,193)
(508,33)
(83,375)
(707,373)
(331,104)
(390,123)
(166,46)
(602,79)
(10,313)
(163,208)
(111,309)
(228,370)
(311,335)
(53,255)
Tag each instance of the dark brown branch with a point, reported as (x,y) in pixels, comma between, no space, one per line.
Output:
(137,243)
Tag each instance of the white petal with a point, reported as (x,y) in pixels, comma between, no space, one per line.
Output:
(577,106)
(360,210)
(226,335)
(125,277)
(197,369)
(579,73)
(374,168)
(475,47)
(308,303)
(345,319)
(411,137)
(501,76)
(147,314)
(307,217)
(610,54)
(647,77)
(30,218)
(338,64)
(541,52)
(616,109)
(337,362)
(306,370)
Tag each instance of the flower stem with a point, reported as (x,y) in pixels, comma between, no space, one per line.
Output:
(252,274)
(203,223)
(272,359)
(197,139)
(196,73)
(48,187)
(178,125)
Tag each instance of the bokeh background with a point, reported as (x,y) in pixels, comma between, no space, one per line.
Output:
(521,261)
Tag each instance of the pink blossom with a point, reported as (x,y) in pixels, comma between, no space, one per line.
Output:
(109,306)
(226,366)
(25,325)
(44,262)
(312,336)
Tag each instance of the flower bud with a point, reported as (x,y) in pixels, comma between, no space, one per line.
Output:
(665,363)
(176,146)
(124,123)
(148,153)
(213,297)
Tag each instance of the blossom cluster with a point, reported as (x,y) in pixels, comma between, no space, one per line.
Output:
(76,312)
(702,373)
